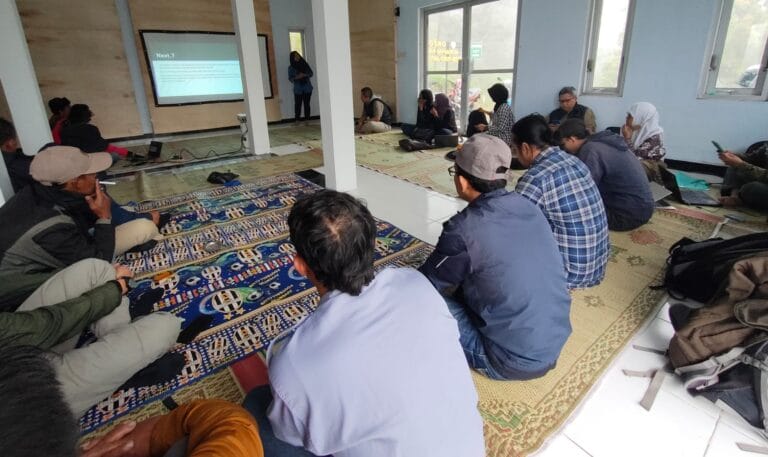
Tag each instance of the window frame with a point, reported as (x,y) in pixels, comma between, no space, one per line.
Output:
(711,66)
(593,37)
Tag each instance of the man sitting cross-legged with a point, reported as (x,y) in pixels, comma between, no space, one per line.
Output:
(377,369)
(59,219)
(498,265)
(90,293)
(561,185)
(618,174)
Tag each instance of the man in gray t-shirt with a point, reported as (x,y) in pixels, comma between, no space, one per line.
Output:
(377,370)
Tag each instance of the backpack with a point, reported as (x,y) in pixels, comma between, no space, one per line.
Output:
(696,270)
(721,351)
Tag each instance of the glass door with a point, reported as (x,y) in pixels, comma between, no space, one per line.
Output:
(473,41)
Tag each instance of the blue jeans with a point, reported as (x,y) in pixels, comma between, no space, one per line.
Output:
(257,402)
(471,340)
(474,349)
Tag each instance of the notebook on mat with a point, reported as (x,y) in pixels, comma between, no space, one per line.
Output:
(687,196)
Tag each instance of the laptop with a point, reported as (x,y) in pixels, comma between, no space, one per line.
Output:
(659,192)
(687,196)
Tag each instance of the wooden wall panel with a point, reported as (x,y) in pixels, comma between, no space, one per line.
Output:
(77,52)
(372,30)
(197,15)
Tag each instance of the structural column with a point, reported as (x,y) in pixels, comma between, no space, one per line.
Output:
(330,20)
(22,92)
(250,67)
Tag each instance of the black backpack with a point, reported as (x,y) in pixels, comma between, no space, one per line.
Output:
(696,270)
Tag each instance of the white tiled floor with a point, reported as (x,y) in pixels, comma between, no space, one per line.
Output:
(610,422)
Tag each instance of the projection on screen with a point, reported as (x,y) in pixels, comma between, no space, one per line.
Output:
(193,67)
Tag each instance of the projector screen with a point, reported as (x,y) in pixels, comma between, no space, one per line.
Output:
(197,67)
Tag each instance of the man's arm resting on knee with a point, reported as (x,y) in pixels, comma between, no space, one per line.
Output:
(48,326)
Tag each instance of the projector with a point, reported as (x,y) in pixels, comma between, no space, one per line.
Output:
(243,120)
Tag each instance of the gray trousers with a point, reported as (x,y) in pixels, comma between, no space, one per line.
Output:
(91,373)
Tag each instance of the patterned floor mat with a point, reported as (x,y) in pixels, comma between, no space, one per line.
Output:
(226,254)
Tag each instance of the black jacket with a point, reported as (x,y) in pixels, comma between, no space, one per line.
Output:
(87,137)
(44,228)
(17,164)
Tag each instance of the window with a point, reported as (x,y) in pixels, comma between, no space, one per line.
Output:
(737,63)
(607,46)
(296,39)
(469,46)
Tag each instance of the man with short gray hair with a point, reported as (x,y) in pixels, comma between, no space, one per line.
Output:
(571,109)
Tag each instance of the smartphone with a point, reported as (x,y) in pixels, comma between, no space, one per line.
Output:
(718,147)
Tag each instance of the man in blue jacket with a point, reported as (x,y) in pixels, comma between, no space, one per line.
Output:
(618,173)
(500,270)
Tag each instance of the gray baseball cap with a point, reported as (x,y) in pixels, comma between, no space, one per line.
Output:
(483,156)
(59,164)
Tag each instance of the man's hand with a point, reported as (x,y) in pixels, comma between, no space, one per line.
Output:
(730,159)
(122,273)
(100,204)
(117,443)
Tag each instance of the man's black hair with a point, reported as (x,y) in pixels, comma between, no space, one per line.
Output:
(367,92)
(569,128)
(80,114)
(532,129)
(481,185)
(7,131)
(34,418)
(57,104)
(335,234)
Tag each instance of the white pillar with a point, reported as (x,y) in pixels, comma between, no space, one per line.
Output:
(330,19)
(21,89)
(250,68)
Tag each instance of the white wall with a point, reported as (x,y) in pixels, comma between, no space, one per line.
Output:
(292,14)
(666,55)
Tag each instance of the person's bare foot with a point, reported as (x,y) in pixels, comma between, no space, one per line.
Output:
(730,201)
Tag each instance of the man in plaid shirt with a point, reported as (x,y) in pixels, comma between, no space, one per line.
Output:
(562,187)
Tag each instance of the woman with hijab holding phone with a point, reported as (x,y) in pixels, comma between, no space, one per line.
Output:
(299,73)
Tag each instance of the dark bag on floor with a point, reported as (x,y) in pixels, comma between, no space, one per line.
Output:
(413,145)
(696,270)
(721,352)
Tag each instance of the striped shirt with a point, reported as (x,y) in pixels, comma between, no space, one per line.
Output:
(561,185)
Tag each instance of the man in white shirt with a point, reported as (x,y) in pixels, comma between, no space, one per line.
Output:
(378,369)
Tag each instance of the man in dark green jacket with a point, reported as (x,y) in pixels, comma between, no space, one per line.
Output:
(47,326)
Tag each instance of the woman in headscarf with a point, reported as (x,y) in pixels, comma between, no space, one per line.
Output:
(446,115)
(502,118)
(645,138)
(299,73)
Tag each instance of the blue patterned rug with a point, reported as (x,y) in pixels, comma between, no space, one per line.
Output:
(226,253)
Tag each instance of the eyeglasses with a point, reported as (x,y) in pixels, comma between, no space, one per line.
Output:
(566,100)
(452,170)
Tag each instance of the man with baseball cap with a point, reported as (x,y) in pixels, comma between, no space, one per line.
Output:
(500,271)
(48,257)
(48,224)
